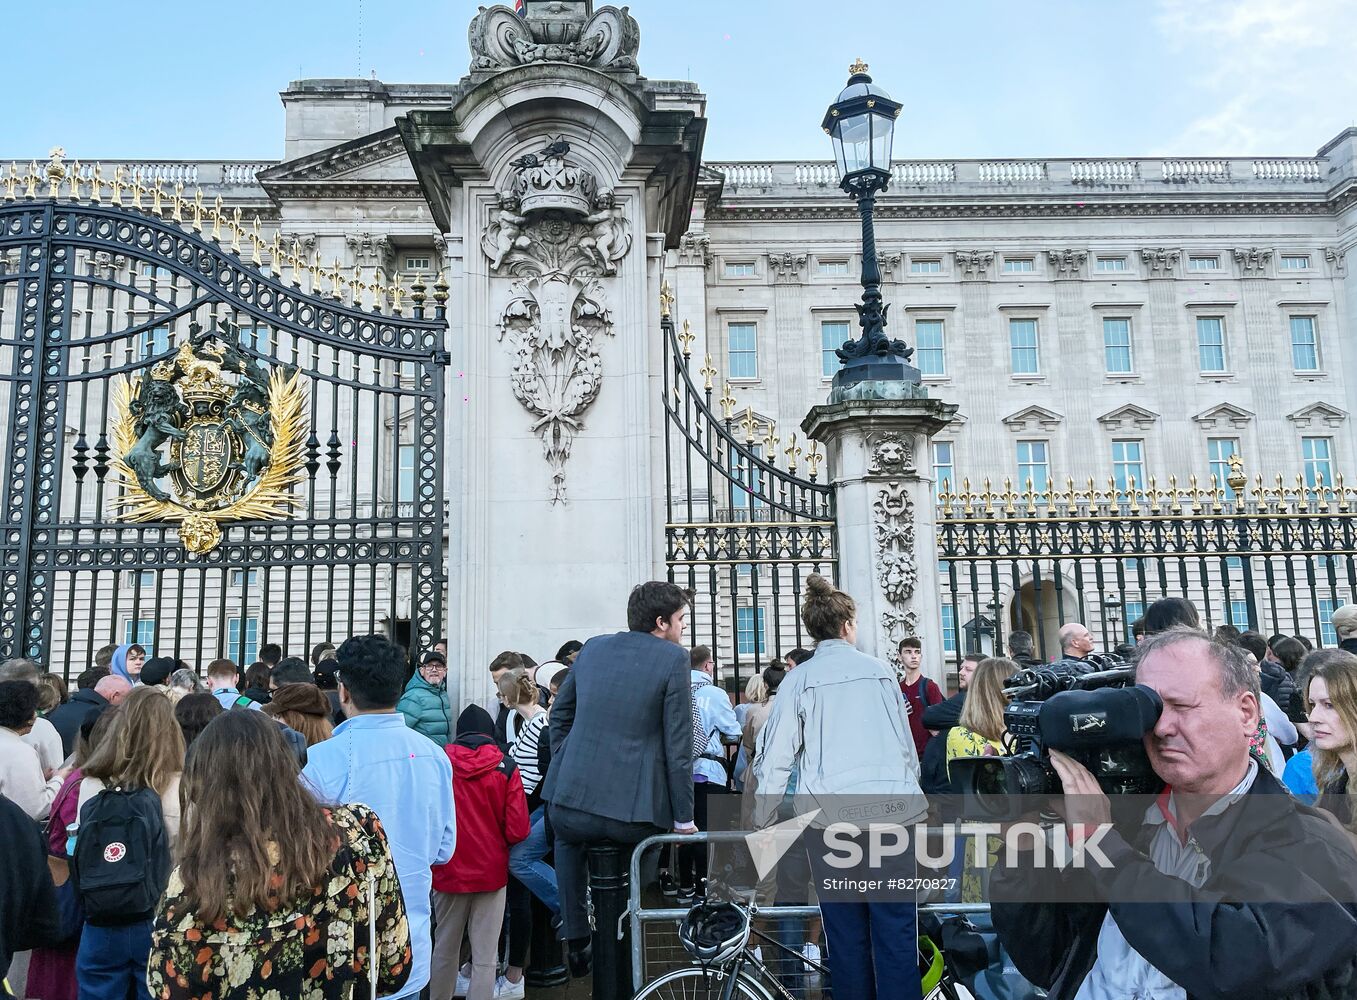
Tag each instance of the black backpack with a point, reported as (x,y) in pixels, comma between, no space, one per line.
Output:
(122,856)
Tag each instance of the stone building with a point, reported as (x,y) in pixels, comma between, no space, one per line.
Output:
(1113,320)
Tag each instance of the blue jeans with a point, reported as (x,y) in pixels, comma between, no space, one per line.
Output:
(111,959)
(873,936)
(526,864)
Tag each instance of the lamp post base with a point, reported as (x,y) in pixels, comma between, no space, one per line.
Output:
(876,368)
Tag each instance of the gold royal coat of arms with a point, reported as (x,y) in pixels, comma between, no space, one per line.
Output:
(209,435)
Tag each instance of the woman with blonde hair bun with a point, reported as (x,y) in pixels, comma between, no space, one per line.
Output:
(839,721)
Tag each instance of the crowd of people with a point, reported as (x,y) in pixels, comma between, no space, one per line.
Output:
(334,826)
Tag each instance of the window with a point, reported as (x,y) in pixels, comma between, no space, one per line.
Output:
(1033,464)
(829,268)
(1316,453)
(1295,262)
(929,352)
(234,634)
(944,472)
(244,577)
(1234,564)
(1237,614)
(833,333)
(405,474)
(744,350)
(1128,464)
(1022,342)
(1134,610)
(1203,263)
(255,338)
(156,273)
(748,479)
(1218,453)
(418,263)
(1130,566)
(142,632)
(749,635)
(739,269)
(1211,343)
(1328,636)
(143,579)
(1019,265)
(1110,264)
(948,629)
(917,266)
(155,342)
(1117,346)
(1304,348)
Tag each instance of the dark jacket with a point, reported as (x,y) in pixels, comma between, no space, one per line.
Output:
(941,717)
(1276,918)
(68,718)
(1278,685)
(426,709)
(622,732)
(28,902)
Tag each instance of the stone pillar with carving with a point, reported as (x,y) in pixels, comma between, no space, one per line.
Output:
(1260,325)
(562,175)
(877,442)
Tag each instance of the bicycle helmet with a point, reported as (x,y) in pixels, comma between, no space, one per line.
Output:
(714,932)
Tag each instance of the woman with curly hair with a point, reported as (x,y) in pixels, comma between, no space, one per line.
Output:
(275,894)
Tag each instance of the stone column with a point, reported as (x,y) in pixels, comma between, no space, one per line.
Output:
(876,437)
(562,176)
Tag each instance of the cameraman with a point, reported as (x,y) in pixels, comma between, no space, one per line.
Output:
(1224,887)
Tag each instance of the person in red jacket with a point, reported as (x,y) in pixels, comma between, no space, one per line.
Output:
(468,897)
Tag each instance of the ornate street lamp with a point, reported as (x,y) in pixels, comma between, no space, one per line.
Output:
(861,123)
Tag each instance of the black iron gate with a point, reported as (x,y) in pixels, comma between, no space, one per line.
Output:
(1275,558)
(110,288)
(741,532)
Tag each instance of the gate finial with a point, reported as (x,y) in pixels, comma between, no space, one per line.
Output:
(666,298)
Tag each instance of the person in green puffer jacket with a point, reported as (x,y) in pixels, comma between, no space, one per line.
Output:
(425,702)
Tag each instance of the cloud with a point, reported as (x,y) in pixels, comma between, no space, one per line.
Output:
(1270,78)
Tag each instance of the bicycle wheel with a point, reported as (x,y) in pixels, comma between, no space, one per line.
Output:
(696,984)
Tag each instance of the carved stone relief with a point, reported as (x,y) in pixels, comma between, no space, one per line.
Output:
(1252,261)
(695,248)
(786,266)
(1067,263)
(559,236)
(974,263)
(1160,262)
(609,40)
(892,455)
(897,570)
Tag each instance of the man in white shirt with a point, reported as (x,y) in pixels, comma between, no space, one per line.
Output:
(22,779)
(43,736)
(1223,886)
(714,728)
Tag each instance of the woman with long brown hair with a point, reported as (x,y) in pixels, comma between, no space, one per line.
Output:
(1331,697)
(144,749)
(275,895)
(305,708)
(980,732)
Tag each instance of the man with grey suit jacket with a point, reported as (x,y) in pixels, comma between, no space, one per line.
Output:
(622,746)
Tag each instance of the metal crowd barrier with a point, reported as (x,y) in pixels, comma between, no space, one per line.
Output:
(640,916)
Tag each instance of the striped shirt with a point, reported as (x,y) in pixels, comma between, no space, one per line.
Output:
(524,751)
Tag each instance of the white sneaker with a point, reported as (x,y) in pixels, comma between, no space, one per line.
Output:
(463,986)
(811,953)
(508,990)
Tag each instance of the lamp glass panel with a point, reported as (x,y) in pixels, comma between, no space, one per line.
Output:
(883,129)
(855,141)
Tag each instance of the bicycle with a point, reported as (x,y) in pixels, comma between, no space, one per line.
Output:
(717,934)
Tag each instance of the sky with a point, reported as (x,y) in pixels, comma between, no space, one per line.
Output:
(978,78)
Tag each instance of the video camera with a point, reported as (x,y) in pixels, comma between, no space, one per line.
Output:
(1091,710)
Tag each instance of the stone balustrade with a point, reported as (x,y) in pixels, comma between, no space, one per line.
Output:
(1150,175)
(207,174)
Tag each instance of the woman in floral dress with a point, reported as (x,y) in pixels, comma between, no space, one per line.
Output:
(275,897)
